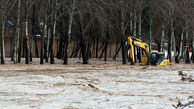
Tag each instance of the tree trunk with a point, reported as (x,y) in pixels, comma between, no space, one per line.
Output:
(16,45)
(48,44)
(83,49)
(181,46)
(31,47)
(110,51)
(97,43)
(36,46)
(170,49)
(158,45)
(42,48)
(75,50)
(106,46)
(186,50)
(89,48)
(68,34)
(0,45)
(123,35)
(20,47)
(131,23)
(12,46)
(2,35)
(52,61)
(171,42)
(135,25)
(26,42)
(60,54)
(66,50)
(139,33)
(33,32)
(44,34)
(135,34)
(61,46)
(105,50)
(82,42)
(162,39)
(173,37)
(139,25)
(54,20)
(117,51)
(193,48)
(21,42)
(123,52)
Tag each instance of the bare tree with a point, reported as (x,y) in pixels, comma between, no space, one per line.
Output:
(171,8)
(44,32)
(6,7)
(16,40)
(2,35)
(68,36)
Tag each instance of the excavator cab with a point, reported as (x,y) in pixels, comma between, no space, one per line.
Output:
(158,59)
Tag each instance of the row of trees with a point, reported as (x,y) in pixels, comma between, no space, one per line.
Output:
(90,22)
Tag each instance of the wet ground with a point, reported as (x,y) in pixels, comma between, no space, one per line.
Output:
(99,85)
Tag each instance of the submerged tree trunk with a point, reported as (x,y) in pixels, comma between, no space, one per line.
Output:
(44,33)
(173,37)
(36,46)
(89,45)
(117,51)
(26,34)
(60,52)
(181,46)
(193,48)
(54,22)
(20,47)
(83,49)
(16,41)
(97,43)
(106,45)
(110,50)
(66,50)
(26,44)
(170,49)
(2,35)
(31,48)
(12,46)
(123,36)
(52,61)
(140,33)
(82,43)
(105,49)
(33,32)
(135,34)
(186,50)
(68,34)
(48,44)
(123,51)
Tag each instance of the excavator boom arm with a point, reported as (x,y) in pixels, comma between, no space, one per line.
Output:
(137,42)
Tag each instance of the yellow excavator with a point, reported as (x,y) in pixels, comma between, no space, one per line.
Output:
(156,58)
